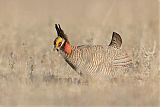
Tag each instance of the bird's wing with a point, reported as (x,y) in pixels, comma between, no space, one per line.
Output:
(123,59)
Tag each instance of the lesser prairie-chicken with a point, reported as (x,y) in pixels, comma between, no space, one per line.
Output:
(94,61)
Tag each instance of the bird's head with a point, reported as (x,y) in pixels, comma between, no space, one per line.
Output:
(61,42)
(58,43)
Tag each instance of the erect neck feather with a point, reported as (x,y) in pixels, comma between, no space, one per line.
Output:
(67,48)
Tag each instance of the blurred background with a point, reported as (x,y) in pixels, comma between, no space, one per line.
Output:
(28,65)
(83,19)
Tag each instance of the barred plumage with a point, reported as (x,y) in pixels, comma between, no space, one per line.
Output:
(99,61)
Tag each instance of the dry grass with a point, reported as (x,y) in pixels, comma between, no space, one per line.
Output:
(32,74)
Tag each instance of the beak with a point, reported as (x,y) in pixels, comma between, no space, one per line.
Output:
(54,49)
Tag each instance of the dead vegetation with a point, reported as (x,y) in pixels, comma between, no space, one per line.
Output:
(32,74)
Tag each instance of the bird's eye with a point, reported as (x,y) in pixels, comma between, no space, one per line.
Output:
(59,44)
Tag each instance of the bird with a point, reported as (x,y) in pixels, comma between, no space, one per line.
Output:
(97,62)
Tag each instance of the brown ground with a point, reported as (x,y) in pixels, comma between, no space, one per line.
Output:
(29,68)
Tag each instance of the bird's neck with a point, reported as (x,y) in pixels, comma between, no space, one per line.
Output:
(68,54)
